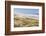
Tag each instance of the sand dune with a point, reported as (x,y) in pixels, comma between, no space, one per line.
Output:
(25,21)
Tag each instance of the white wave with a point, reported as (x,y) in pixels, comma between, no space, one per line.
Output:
(27,15)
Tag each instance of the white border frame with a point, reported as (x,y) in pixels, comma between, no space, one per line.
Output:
(26,28)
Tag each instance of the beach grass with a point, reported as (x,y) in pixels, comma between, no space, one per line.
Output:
(25,22)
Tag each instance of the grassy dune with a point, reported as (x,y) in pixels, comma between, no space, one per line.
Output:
(25,22)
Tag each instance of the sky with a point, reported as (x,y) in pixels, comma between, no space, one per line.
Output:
(26,11)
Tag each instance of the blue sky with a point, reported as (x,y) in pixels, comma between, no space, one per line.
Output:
(26,11)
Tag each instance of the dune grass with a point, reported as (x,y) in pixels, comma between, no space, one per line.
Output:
(25,22)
